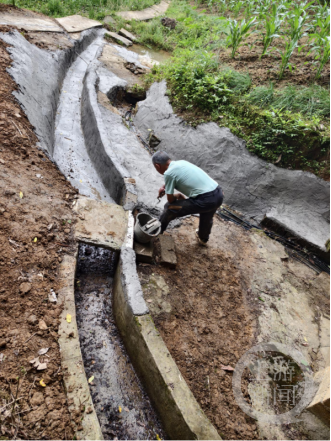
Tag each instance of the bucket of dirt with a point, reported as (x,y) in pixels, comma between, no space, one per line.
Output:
(146,228)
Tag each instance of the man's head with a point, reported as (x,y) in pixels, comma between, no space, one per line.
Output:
(161,161)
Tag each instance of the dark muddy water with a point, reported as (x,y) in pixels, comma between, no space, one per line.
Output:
(122,406)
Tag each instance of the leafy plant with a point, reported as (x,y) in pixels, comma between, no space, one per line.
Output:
(296,32)
(272,27)
(237,32)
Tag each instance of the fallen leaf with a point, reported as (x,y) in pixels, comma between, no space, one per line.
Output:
(305,339)
(149,300)
(227,368)
(21,195)
(278,160)
(41,382)
(2,161)
(126,409)
(91,379)
(42,366)
(120,409)
(158,438)
(260,298)
(35,362)
(43,351)
(35,239)
(68,318)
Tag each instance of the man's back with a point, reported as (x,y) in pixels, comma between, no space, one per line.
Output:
(188,179)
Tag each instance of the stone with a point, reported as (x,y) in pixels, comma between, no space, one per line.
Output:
(77,23)
(25,287)
(32,23)
(100,219)
(127,34)
(169,22)
(32,320)
(144,252)
(42,325)
(37,399)
(320,406)
(109,20)
(168,254)
(119,39)
(146,14)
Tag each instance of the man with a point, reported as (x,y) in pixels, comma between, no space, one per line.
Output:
(204,195)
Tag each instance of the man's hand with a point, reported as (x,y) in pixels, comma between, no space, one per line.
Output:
(161,191)
(179,196)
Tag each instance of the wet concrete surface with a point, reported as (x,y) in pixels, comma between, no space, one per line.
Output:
(122,406)
(70,152)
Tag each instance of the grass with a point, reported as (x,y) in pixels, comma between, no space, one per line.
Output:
(312,100)
(97,9)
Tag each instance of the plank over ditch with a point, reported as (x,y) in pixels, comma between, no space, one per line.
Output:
(100,223)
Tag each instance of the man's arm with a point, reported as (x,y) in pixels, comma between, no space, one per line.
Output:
(175,197)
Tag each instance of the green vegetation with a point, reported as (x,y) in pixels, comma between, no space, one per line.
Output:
(96,9)
(287,126)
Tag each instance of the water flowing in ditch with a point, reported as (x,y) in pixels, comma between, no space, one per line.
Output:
(123,408)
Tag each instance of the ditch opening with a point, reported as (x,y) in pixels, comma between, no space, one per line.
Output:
(122,406)
(121,97)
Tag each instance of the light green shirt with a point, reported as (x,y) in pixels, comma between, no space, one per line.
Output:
(188,179)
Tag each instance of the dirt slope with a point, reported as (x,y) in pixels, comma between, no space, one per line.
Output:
(36,224)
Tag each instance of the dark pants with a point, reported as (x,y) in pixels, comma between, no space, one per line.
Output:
(206,204)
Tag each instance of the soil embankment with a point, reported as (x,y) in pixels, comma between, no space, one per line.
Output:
(36,225)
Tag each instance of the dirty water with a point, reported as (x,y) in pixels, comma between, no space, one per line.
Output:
(161,56)
(122,406)
(142,55)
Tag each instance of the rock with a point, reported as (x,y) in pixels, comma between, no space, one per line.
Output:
(153,141)
(121,40)
(3,343)
(169,22)
(32,320)
(25,287)
(42,325)
(168,255)
(144,252)
(109,20)
(127,35)
(132,67)
(37,399)
(67,230)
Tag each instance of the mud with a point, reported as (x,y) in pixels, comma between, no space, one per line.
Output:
(35,232)
(122,406)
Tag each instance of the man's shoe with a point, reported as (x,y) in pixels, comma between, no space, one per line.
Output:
(200,241)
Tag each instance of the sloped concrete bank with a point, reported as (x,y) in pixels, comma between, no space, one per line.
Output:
(180,413)
(296,201)
(39,75)
(114,175)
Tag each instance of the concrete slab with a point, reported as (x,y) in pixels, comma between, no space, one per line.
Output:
(144,252)
(119,39)
(146,14)
(168,255)
(29,23)
(100,223)
(77,23)
(320,406)
(127,35)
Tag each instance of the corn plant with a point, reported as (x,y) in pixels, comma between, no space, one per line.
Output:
(322,53)
(297,22)
(237,33)
(272,27)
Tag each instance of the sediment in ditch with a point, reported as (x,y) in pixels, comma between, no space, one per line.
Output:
(123,407)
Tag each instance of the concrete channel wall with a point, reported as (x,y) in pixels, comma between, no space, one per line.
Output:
(113,174)
(40,74)
(297,202)
(180,413)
